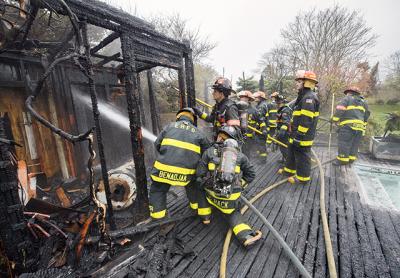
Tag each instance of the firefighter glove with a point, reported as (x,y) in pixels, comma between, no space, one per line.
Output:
(243,183)
(197,111)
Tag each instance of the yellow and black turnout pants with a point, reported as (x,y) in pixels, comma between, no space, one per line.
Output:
(283,137)
(348,143)
(158,200)
(230,210)
(298,162)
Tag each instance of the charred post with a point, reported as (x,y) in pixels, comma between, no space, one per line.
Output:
(191,91)
(96,118)
(153,106)
(182,87)
(132,97)
(141,100)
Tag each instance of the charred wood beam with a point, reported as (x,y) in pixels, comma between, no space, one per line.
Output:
(191,91)
(117,59)
(108,59)
(152,102)
(182,88)
(141,100)
(103,14)
(96,118)
(106,41)
(130,231)
(29,24)
(132,96)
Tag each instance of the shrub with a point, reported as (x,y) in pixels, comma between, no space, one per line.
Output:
(380,101)
(393,101)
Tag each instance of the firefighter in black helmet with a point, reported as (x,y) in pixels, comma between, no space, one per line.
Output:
(303,127)
(179,148)
(262,115)
(223,171)
(351,115)
(271,120)
(225,111)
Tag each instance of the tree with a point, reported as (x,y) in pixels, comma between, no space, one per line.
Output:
(177,27)
(332,42)
(247,83)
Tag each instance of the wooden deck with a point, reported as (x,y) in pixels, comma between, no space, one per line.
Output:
(366,240)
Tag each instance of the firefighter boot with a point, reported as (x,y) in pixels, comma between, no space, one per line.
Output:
(294,180)
(252,238)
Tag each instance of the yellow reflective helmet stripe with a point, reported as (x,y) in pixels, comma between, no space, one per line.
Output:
(174,169)
(240,228)
(180,144)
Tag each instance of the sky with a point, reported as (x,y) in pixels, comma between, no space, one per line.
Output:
(244,30)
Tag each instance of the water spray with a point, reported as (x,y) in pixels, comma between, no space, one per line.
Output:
(111,113)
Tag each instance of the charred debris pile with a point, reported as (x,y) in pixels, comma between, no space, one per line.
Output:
(84,224)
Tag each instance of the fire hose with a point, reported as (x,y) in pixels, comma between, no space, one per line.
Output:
(329,252)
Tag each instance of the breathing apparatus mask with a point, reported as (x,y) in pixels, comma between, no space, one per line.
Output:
(243,114)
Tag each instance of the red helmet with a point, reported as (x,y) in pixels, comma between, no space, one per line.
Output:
(353,89)
(306,75)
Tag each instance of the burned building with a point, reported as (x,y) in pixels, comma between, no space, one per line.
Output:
(54,96)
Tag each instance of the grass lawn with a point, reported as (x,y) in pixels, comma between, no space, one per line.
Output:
(378,113)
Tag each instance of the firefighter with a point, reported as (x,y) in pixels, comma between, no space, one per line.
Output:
(247,117)
(283,116)
(262,122)
(303,128)
(179,148)
(223,172)
(351,115)
(272,110)
(225,111)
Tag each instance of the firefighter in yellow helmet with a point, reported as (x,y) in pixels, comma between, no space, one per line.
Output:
(247,117)
(225,111)
(303,128)
(179,148)
(351,115)
(223,172)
